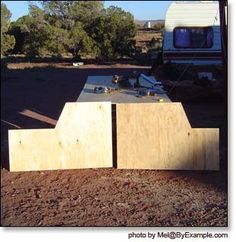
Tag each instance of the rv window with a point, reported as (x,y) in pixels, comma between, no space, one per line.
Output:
(193,37)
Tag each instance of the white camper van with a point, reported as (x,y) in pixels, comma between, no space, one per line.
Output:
(192,33)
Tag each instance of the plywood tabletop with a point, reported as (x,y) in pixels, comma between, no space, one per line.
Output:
(120,96)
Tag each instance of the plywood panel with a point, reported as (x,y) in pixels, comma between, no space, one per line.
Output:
(159,136)
(82,138)
(206,148)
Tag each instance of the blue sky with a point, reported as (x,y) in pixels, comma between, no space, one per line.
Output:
(142,10)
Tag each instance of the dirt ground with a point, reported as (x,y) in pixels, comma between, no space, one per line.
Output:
(33,96)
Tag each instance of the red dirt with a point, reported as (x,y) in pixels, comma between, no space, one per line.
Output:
(34,98)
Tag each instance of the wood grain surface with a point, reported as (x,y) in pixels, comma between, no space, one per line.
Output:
(82,138)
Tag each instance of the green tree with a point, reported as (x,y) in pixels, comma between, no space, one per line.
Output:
(18,30)
(77,27)
(7,41)
(5,18)
(86,11)
(58,13)
(57,41)
(123,31)
(36,37)
(66,13)
(38,32)
(80,43)
(114,33)
(23,30)
(72,17)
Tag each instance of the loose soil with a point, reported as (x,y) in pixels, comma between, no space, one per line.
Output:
(33,96)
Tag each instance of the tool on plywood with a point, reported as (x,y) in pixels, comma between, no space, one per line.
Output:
(106,90)
(122,81)
(143,92)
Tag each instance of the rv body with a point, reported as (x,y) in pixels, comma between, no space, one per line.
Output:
(192,33)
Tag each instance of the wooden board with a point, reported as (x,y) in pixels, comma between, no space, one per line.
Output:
(121,96)
(159,136)
(82,138)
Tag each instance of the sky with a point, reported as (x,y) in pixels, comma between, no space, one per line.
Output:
(142,10)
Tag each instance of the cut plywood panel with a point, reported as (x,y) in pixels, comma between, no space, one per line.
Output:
(82,138)
(159,136)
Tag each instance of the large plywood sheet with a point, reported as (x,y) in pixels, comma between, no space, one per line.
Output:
(159,136)
(82,138)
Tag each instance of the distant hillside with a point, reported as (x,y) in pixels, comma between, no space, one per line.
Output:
(153,22)
(143,38)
